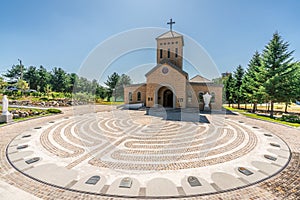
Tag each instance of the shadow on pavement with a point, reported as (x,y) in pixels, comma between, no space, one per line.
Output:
(187,115)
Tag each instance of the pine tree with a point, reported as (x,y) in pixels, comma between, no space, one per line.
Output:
(44,79)
(31,76)
(290,85)
(124,80)
(15,72)
(278,66)
(111,83)
(245,89)
(59,80)
(228,89)
(297,96)
(252,87)
(238,80)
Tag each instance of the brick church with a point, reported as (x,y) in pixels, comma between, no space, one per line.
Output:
(168,85)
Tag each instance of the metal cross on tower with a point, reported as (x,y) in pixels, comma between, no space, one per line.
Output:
(171,23)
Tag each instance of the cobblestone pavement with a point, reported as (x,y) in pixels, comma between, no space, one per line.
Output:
(115,143)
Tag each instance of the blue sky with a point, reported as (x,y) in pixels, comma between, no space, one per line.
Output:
(62,33)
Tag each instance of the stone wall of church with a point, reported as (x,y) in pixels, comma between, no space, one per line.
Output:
(192,96)
(134,90)
(150,94)
(213,89)
(174,80)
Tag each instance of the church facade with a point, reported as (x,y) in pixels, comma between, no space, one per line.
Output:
(168,85)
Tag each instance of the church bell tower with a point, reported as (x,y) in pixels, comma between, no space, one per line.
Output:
(170,47)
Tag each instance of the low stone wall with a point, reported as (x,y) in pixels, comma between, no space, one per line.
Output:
(22,114)
(55,103)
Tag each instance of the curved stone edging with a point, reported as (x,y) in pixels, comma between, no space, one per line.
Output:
(159,197)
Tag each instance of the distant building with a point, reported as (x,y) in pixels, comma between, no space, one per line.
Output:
(168,84)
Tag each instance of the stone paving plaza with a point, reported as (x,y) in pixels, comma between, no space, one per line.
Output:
(105,153)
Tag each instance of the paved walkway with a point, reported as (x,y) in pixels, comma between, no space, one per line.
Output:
(151,152)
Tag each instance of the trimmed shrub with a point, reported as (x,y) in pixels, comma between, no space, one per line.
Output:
(53,110)
(290,118)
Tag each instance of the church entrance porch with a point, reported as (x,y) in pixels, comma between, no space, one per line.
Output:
(165,97)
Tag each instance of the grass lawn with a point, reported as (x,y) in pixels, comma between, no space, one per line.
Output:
(265,118)
(277,107)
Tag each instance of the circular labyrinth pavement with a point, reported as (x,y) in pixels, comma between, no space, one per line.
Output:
(130,154)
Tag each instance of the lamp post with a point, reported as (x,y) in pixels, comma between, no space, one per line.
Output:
(21,68)
(114,93)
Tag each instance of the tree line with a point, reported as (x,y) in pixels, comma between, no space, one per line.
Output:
(58,80)
(272,76)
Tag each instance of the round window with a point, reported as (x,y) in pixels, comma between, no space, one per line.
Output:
(165,70)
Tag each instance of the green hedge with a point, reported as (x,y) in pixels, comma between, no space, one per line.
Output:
(290,118)
(53,110)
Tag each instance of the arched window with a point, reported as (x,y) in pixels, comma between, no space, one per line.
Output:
(139,96)
(200,97)
(160,53)
(213,97)
(130,96)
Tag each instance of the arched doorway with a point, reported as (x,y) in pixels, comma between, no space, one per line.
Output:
(168,98)
(165,97)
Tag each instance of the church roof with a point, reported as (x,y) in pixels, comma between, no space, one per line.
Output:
(200,79)
(170,64)
(136,85)
(169,34)
(210,84)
